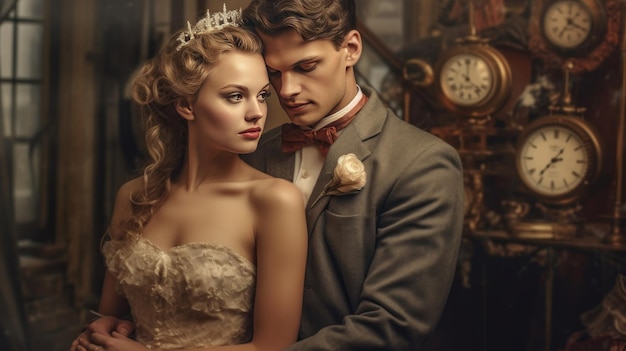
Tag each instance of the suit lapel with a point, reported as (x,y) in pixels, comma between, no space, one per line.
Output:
(348,142)
(367,124)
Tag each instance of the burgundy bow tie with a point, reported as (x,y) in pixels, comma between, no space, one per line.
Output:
(295,138)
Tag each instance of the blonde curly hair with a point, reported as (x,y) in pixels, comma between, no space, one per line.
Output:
(172,76)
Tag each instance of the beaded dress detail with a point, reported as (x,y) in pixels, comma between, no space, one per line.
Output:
(193,295)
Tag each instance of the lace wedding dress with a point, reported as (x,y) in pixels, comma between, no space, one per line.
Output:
(193,295)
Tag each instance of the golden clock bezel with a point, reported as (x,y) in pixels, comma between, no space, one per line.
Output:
(591,140)
(596,33)
(500,71)
(418,72)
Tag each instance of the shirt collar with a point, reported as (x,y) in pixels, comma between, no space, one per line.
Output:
(335,116)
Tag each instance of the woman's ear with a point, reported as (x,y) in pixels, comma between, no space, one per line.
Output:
(184,109)
(354,44)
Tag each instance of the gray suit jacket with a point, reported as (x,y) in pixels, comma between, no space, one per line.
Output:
(380,261)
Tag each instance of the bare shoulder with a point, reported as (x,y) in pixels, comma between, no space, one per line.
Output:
(127,189)
(123,207)
(124,193)
(280,225)
(276,193)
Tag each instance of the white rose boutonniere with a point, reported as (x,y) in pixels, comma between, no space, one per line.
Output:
(349,177)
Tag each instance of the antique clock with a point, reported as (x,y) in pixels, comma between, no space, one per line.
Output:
(583,32)
(466,78)
(571,26)
(472,78)
(558,157)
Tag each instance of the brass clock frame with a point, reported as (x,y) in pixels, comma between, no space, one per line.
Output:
(418,72)
(590,54)
(598,27)
(473,202)
(591,142)
(500,72)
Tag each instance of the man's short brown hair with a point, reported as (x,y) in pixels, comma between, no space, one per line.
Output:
(312,19)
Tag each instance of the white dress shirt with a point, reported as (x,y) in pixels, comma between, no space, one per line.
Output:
(309,159)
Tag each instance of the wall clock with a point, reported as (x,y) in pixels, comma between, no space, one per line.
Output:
(466,79)
(558,158)
(473,79)
(572,25)
(584,32)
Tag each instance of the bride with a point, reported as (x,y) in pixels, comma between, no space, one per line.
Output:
(204,250)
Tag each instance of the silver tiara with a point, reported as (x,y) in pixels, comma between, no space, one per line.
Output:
(209,24)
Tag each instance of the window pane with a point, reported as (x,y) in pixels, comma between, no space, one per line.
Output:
(29,50)
(6,54)
(24,184)
(7,9)
(30,9)
(27,111)
(5,91)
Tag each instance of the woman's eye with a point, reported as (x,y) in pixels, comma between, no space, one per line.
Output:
(264,95)
(234,97)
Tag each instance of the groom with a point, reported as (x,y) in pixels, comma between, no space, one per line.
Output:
(381,258)
(382,250)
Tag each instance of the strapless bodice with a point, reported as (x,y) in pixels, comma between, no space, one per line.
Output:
(193,295)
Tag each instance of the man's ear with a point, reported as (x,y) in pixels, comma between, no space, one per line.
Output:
(354,44)
(184,109)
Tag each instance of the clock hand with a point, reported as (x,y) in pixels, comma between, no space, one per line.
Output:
(545,168)
(556,158)
(553,160)
(562,30)
(476,86)
(576,25)
(466,77)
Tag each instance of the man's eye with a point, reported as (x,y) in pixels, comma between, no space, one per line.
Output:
(264,95)
(308,67)
(234,97)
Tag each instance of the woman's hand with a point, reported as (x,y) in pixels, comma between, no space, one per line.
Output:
(104,325)
(105,342)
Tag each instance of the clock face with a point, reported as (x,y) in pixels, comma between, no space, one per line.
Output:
(567,23)
(553,160)
(466,79)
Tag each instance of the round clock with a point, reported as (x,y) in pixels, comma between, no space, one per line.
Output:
(473,80)
(570,25)
(558,157)
(466,79)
